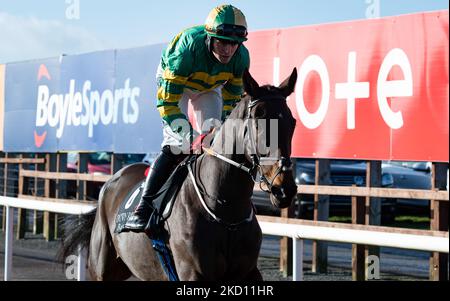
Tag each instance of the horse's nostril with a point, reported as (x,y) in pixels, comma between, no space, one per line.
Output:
(278,192)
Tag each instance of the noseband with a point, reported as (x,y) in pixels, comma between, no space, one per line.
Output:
(284,164)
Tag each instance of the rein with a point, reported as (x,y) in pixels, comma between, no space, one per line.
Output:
(230,226)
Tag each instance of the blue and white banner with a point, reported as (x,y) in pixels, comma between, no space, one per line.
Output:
(141,125)
(28,84)
(101,101)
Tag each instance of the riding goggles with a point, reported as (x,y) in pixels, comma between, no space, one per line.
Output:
(228,31)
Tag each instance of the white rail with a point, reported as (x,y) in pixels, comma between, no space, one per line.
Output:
(74,207)
(297,232)
(364,237)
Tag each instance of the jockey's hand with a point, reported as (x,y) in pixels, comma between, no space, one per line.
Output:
(196,146)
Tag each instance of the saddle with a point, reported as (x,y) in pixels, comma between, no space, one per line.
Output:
(163,200)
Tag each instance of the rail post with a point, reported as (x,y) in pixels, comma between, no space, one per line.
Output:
(286,259)
(82,168)
(49,217)
(9,242)
(23,185)
(439,221)
(321,213)
(297,261)
(39,190)
(116,162)
(373,206)
(61,190)
(81,264)
(358,251)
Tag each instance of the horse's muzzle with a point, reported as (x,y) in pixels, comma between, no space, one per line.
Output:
(278,192)
(282,197)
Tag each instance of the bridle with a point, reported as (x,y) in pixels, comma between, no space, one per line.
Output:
(284,164)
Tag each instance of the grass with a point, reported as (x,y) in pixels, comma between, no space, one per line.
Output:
(402,221)
(410,221)
(340,219)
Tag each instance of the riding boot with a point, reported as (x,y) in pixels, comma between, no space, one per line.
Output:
(159,172)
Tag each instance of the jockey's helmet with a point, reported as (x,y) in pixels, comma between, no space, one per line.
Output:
(227,22)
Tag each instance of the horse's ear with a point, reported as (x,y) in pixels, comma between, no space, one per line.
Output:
(288,85)
(250,85)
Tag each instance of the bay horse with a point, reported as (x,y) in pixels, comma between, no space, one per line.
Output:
(214,233)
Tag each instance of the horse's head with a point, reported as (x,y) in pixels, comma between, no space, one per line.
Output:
(270,129)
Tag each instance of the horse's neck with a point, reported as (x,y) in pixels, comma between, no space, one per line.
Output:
(227,187)
(229,179)
(224,178)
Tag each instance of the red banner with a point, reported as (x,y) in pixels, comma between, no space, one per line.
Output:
(372,89)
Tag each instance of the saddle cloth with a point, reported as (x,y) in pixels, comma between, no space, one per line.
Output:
(163,200)
(128,205)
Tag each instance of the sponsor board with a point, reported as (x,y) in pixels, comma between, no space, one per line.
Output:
(93,102)
(371,89)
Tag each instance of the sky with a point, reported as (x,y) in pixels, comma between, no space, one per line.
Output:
(31,29)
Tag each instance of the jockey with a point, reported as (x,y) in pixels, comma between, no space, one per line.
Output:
(204,65)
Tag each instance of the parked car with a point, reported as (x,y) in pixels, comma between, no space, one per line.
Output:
(98,163)
(406,175)
(128,159)
(411,175)
(343,173)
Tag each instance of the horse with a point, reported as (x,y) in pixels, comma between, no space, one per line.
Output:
(213,231)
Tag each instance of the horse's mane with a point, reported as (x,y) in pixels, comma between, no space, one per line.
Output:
(239,112)
(240,109)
